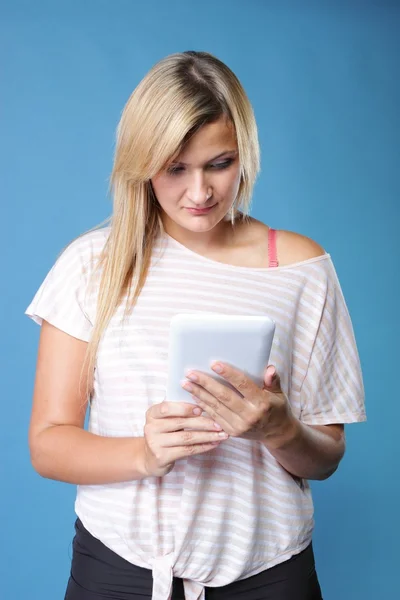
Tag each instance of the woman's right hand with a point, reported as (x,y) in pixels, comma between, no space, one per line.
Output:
(165,440)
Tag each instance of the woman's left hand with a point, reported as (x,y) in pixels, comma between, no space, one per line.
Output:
(246,411)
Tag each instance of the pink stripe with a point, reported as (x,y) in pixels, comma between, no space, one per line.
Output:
(272,253)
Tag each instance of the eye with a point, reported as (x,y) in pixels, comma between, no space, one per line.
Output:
(222,165)
(174,170)
(216,166)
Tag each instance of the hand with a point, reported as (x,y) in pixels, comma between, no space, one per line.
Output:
(165,440)
(246,411)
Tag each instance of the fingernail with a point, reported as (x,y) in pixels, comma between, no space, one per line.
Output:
(217,426)
(192,376)
(186,385)
(197,411)
(217,368)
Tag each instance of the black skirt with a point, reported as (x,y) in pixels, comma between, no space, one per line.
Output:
(98,573)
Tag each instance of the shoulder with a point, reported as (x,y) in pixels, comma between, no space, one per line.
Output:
(80,255)
(294,247)
(291,247)
(86,246)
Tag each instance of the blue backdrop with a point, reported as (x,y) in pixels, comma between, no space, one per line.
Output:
(323,82)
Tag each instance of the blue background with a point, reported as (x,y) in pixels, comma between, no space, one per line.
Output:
(323,80)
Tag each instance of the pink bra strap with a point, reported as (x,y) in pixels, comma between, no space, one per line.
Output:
(272,253)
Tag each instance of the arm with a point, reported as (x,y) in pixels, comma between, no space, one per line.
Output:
(305,451)
(60,448)
(308,451)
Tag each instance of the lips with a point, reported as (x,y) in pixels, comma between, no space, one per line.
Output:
(200,211)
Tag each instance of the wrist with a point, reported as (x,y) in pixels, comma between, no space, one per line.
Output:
(140,455)
(286,435)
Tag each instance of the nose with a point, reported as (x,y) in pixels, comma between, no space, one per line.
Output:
(198,190)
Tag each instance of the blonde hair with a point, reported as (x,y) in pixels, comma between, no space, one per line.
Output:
(180,93)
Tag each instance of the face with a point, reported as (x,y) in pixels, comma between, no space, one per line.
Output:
(197,189)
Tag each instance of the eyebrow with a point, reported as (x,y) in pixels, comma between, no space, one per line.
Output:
(179,162)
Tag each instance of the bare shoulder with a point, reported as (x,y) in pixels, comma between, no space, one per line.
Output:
(294,247)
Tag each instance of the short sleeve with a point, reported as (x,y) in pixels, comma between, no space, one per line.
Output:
(60,299)
(332,390)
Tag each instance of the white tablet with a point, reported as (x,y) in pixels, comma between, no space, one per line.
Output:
(195,340)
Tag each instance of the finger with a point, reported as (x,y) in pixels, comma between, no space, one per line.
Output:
(173,409)
(190,438)
(227,414)
(238,379)
(272,381)
(170,424)
(225,393)
(175,454)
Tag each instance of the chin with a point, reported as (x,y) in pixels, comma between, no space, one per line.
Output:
(199,227)
(200,223)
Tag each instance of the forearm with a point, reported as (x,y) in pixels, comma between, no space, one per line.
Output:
(306,451)
(74,455)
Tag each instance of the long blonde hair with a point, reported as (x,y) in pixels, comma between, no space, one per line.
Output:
(180,93)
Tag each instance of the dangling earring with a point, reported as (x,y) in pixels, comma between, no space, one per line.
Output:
(232,214)
(233,210)
(233,217)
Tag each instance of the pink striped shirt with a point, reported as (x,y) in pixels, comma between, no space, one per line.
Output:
(232,512)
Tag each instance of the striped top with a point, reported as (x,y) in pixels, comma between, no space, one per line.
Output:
(234,511)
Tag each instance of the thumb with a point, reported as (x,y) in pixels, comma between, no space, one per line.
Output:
(272,381)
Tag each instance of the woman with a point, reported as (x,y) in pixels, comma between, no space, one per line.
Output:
(223,512)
